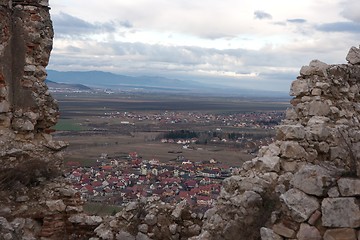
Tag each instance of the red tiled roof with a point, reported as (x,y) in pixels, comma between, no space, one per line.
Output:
(96,184)
(106,168)
(89,188)
(183,194)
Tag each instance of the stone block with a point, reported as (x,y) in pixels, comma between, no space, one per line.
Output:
(333,192)
(4,106)
(299,87)
(122,235)
(307,232)
(141,236)
(269,151)
(293,150)
(268,234)
(318,108)
(143,228)
(314,179)
(340,234)
(314,217)
(56,205)
(315,67)
(290,166)
(349,187)
(301,206)
(150,219)
(268,164)
(353,55)
(284,231)
(290,132)
(340,212)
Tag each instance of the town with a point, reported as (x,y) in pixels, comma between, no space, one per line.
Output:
(263,120)
(119,181)
(129,146)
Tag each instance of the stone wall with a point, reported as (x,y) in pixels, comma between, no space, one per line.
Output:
(306,184)
(27,110)
(29,157)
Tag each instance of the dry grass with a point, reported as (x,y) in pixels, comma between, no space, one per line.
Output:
(86,149)
(29,173)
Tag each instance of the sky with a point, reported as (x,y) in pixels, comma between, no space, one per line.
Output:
(251,44)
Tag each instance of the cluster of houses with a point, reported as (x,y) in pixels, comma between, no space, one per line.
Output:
(264,120)
(118,182)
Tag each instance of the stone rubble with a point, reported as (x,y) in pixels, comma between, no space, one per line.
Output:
(27,110)
(308,180)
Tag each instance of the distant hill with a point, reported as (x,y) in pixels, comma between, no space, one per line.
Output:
(53,84)
(106,79)
(99,79)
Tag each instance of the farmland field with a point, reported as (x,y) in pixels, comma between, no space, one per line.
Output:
(93,124)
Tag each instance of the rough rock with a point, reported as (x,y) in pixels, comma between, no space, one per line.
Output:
(27,109)
(315,67)
(353,56)
(131,206)
(340,212)
(141,236)
(268,164)
(314,179)
(143,228)
(178,210)
(314,217)
(299,87)
(173,228)
(5,224)
(307,232)
(292,150)
(56,205)
(318,108)
(291,132)
(122,235)
(284,231)
(104,232)
(300,205)
(340,234)
(349,187)
(268,234)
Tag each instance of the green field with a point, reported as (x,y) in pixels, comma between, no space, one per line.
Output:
(69,125)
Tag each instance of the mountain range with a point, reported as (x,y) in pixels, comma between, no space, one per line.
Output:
(99,79)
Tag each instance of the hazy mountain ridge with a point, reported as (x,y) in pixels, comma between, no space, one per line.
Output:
(91,78)
(101,79)
(53,84)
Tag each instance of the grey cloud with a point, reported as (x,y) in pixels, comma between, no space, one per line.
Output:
(73,49)
(296,20)
(67,25)
(262,15)
(280,23)
(126,24)
(185,62)
(351,9)
(339,27)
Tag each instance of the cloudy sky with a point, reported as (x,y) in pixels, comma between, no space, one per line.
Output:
(258,44)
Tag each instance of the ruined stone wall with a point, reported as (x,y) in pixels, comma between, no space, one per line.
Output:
(306,185)
(27,110)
